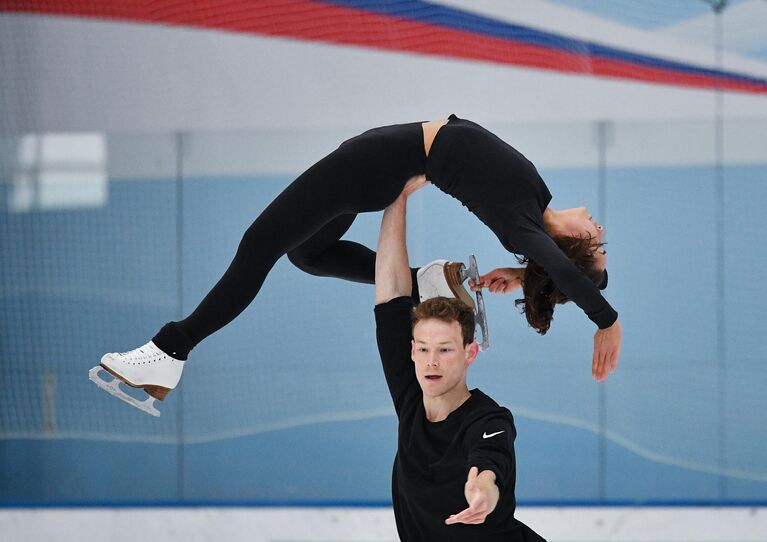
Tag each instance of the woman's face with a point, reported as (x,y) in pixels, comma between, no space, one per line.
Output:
(578,222)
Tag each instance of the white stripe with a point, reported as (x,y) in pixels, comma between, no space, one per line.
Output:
(300,421)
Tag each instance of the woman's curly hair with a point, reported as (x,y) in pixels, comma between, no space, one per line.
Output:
(541,294)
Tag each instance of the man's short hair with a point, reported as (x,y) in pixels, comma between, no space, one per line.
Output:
(448,310)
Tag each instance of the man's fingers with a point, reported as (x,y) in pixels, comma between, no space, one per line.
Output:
(468,515)
(467,519)
(460,516)
(473,520)
(413,184)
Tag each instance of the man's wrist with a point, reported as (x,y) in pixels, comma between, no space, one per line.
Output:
(486,477)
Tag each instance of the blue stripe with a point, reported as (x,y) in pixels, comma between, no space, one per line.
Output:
(372,504)
(424,12)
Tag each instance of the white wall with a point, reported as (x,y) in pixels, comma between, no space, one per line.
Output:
(369,524)
(73,74)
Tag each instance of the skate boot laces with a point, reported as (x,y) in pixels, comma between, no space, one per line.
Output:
(149,353)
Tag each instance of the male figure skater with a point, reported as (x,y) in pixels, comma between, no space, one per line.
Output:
(455,470)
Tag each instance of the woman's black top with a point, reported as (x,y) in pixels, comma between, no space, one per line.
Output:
(504,190)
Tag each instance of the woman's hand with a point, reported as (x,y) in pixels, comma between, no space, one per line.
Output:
(500,281)
(413,184)
(607,349)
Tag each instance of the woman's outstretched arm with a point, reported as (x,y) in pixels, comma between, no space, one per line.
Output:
(530,239)
(607,342)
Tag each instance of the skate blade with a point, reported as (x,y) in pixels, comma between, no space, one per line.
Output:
(473,273)
(482,322)
(113,388)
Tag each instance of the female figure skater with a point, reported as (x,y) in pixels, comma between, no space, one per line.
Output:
(367,173)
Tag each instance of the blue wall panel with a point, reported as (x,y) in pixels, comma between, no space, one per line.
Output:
(288,403)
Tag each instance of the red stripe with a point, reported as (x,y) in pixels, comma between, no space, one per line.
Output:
(317,21)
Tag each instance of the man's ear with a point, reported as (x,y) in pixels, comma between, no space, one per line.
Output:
(412,350)
(472,351)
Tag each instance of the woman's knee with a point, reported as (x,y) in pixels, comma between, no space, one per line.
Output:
(302,260)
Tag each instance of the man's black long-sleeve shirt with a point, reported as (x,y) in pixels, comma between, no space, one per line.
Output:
(434,458)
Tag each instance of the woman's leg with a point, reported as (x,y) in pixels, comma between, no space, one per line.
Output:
(323,200)
(325,255)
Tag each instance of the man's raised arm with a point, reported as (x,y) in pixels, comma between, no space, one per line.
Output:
(392,269)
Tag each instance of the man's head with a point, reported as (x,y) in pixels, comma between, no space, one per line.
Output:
(443,345)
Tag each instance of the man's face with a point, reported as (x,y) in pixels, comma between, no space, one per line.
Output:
(440,358)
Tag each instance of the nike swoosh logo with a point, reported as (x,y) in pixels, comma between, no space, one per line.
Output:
(485,435)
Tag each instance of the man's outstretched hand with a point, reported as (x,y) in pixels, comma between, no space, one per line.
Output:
(482,495)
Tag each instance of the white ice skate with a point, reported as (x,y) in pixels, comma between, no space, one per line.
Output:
(444,278)
(147,367)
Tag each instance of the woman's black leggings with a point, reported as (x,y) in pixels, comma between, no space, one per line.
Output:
(306,222)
